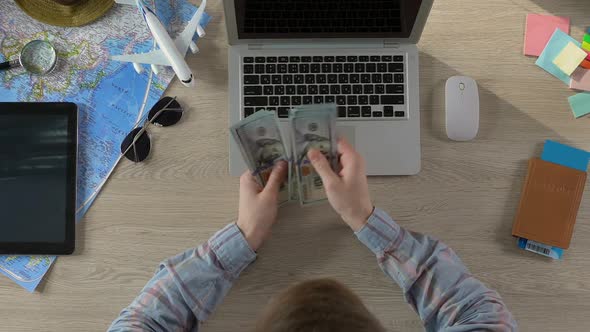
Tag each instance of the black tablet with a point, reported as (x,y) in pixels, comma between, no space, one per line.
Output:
(38,148)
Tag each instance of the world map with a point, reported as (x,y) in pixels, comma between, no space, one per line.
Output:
(112,98)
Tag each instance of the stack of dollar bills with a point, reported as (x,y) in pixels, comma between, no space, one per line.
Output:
(262,145)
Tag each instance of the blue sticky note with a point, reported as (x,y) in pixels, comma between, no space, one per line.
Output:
(556,44)
(580,104)
(564,155)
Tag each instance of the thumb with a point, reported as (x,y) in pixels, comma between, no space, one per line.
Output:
(277,177)
(322,166)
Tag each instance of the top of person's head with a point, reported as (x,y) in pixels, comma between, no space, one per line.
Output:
(320,305)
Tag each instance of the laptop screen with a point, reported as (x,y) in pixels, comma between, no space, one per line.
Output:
(285,19)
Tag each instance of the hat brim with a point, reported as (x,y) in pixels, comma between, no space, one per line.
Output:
(53,13)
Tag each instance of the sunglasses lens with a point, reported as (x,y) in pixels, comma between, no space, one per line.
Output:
(142,146)
(166,117)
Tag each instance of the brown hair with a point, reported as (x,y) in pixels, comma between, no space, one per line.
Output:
(322,305)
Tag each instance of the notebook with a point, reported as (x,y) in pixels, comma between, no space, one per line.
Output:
(549,203)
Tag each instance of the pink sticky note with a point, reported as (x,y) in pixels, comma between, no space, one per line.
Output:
(580,79)
(539,29)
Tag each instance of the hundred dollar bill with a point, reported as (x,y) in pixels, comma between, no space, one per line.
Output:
(312,126)
(262,146)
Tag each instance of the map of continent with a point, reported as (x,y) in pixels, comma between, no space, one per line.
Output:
(112,98)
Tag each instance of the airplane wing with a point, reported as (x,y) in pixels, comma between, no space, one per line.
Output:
(126,2)
(155,57)
(184,39)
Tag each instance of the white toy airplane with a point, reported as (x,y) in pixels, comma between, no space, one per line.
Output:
(170,52)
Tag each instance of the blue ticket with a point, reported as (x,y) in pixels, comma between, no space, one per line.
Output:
(539,248)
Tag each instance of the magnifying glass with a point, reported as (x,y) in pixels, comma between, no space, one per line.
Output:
(37,57)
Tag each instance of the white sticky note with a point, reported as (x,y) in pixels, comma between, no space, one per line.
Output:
(569,58)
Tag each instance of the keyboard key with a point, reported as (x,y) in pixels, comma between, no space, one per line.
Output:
(294,59)
(299,79)
(285,101)
(307,100)
(351,100)
(252,90)
(359,67)
(251,79)
(287,79)
(379,89)
(255,101)
(374,100)
(341,111)
(309,79)
(326,68)
(386,58)
(388,111)
(368,89)
(364,58)
(276,79)
(304,68)
(354,111)
(273,101)
(279,90)
(269,90)
(382,67)
(271,59)
(398,58)
(343,78)
(392,100)
(302,89)
(282,68)
(265,79)
(305,59)
(400,114)
(346,89)
(260,59)
(324,89)
(332,78)
(296,100)
(318,59)
(248,111)
(320,78)
(395,67)
(375,58)
(366,111)
(283,112)
(357,89)
(394,89)
(259,108)
(259,69)
(249,59)
(315,68)
(355,78)
(341,100)
(330,99)
(293,68)
(398,78)
(328,59)
(337,68)
(340,58)
(291,90)
(312,89)
(377,114)
(363,100)
(376,78)
(271,109)
(387,78)
(283,59)
(371,67)
(348,68)
(335,89)
(318,99)
(248,69)
(352,58)
(365,78)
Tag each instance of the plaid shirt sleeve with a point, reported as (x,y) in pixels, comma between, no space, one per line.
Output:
(434,280)
(186,288)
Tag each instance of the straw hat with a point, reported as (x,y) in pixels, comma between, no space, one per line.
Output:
(65,13)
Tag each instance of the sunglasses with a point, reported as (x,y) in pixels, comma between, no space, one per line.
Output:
(136,145)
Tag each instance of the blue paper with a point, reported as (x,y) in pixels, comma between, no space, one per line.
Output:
(539,248)
(568,156)
(556,44)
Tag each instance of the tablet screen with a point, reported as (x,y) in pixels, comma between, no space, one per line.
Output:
(36,184)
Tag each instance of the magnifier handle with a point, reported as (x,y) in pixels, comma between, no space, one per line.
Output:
(9,64)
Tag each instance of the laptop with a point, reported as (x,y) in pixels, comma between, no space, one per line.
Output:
(360,55)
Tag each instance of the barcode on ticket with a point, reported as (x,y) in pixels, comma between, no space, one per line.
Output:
(538,248)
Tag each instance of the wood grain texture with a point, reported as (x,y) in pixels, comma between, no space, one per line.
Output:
(466,194)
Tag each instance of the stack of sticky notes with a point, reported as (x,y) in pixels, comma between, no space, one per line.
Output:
(561,55)
(558,177)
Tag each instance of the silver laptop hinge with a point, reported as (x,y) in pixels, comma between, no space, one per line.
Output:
(388,44)
(255,47)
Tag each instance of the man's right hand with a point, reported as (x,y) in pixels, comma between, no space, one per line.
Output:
(347,191)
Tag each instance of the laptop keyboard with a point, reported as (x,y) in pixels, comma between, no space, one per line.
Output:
(362,86)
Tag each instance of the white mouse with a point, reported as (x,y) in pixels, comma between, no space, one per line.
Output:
(462,108)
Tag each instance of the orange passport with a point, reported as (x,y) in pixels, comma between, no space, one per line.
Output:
(549,203)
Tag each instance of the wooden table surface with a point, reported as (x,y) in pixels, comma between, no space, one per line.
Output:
(466,193)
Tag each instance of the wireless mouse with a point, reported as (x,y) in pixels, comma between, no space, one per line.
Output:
(462,108)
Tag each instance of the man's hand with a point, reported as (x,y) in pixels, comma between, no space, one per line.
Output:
(347,191)
(259,206)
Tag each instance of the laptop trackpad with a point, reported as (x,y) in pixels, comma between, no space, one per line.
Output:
(348,132)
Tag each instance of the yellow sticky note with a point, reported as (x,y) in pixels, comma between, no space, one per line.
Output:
(570,58)
(586,45)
